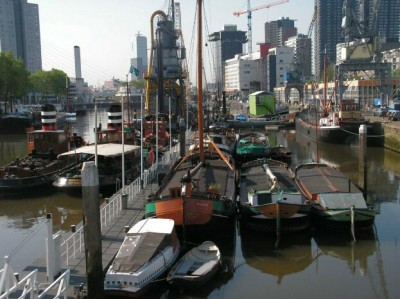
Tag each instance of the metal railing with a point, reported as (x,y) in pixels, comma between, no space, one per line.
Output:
(73,246)
(28,286)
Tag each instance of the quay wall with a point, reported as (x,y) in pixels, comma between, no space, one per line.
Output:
(392,136)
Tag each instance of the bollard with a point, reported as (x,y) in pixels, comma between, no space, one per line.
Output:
(73,228)
(92,230)
(362,162)
(124,201)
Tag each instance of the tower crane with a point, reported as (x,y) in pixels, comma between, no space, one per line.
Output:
(249,13)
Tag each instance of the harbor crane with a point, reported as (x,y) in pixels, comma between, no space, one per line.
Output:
(249,11)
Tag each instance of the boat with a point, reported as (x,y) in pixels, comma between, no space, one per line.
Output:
(336,203)
(15,123)
(341,127)
(40,166)
(200,190)
(225,142)
(197,194)
(197,267)
(269,198)
(327,124)
(109,164)
(112,132)
(149,250)
(252,145)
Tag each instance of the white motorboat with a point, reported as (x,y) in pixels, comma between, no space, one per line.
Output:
(149,249)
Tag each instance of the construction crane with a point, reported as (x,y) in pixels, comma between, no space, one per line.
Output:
(249,13)
(296,75)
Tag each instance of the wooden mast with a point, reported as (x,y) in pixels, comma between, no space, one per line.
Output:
(200,112)
(325,80)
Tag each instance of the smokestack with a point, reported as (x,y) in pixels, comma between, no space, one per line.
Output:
(78,72)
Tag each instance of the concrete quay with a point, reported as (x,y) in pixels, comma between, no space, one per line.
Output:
(390,132)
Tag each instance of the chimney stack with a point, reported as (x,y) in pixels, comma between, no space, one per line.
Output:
(78,72)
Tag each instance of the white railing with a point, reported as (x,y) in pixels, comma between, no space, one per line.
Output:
(72,246)
(61,283)
(28,286)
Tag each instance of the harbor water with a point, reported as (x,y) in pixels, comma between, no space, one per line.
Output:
(313,264)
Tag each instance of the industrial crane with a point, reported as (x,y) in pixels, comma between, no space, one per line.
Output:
(249,12)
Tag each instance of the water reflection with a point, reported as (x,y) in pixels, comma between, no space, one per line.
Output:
(340,246)
(23,213)
(293,255)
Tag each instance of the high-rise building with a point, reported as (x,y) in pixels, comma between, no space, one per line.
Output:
(382,21)
(20,32)
(327,32)
(141,54)
(302,57)
(227,43)
(388,23)
(278,32)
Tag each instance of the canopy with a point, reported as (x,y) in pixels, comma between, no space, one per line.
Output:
(105,149)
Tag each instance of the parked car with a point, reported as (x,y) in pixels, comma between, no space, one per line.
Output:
(381,111)
(393,115)
(241,117)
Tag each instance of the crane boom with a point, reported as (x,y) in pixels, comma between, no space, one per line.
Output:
(238,13)
(249,11)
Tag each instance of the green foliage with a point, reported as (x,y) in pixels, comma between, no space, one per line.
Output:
(396,74)
(49,82)
(138,84)
(14,78)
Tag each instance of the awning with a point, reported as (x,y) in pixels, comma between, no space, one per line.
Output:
(106,149)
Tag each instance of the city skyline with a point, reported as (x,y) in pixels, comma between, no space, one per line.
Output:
(106,30)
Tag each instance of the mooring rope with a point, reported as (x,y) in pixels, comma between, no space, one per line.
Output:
(368,136)
(29,237)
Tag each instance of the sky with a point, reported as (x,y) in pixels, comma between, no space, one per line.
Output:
(105,30)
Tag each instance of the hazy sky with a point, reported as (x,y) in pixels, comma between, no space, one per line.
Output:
(105,30)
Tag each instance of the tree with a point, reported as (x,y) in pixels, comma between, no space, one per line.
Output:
(14,79)
(138,84)
(49,82)
(396,74)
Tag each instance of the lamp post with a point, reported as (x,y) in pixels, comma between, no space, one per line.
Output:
(141,141)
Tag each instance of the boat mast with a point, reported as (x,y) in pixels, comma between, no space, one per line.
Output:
(325,80)
(200,78)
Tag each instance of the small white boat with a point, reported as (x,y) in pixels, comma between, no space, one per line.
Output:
(196,267)
(149,249)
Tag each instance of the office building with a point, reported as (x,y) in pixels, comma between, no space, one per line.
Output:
(141,54)
(226,44)
(278,32)
(20,32)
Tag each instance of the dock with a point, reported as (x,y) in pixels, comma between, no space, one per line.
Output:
(118,213)
(112,237)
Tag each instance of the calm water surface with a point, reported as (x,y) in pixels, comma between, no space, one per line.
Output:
(310,265)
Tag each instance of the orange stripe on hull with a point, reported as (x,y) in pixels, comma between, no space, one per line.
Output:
(286,211)
(171,209)
(197,211)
